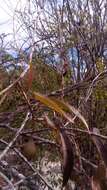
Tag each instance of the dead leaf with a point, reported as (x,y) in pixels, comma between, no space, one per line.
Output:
(68,156)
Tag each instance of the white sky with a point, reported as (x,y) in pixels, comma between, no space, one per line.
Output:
(7,8)
(9,24)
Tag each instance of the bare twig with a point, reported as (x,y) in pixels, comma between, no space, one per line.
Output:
(15,82)
(16,136)
(92,84)
(25,178)
(87,132)
(7,180)
(3,98)
(25,97)
(30,165)
(88,162)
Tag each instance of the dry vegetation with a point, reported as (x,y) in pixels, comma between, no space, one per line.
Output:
(55,109)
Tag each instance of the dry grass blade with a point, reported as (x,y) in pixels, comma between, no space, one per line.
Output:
(68,108)
(52,104)
(78,114)
(61,107)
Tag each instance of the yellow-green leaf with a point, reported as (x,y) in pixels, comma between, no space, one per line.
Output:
(51,104)
(77,113)
(61,107)
(68,108)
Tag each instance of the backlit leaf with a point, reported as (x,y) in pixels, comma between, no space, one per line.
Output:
(51,104)
(61,107)
(68,108)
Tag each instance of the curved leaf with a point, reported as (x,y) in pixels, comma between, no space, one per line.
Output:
(68,108)
(78,114)
(68,156)
(51,104)
(61,107)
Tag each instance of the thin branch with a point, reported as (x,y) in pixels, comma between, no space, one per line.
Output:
(15,82)
(92,84)
(30,165)
(16,136)
(25,97)
(7,180)
(3,98)
(88,162)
